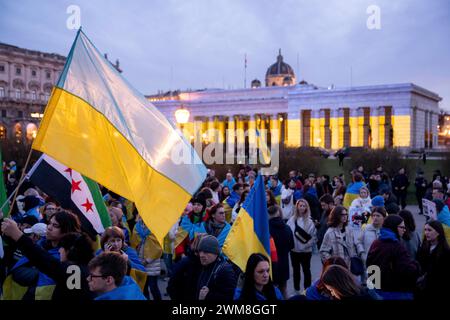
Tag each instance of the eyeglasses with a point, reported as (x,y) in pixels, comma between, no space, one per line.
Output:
(90,276)
(220,212)
(402,227)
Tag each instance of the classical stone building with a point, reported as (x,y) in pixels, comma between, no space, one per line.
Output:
(26,81)
(389,115)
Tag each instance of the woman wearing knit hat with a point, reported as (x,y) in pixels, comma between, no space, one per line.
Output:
(399,271)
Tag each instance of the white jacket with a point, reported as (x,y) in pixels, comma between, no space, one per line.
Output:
(287,209)
(309,227)
(367,236)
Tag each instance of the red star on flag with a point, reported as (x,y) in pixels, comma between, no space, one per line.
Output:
(88,205)
(75,185)
(69,170)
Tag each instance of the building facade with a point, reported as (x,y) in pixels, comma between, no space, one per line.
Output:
(26,81)
(392,115)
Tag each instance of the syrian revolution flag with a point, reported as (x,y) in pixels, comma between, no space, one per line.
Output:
(73,191)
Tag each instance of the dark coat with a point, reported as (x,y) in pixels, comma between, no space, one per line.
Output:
(56,270)
(284,242)
(399,271)
(182,284)
(436,267)
(221,280)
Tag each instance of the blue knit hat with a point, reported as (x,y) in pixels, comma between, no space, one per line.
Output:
(378,201)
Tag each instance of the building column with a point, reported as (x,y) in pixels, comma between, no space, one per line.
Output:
(326,128)
(240,138)
(334,123)
(434,130)
(354,127)
(316,139)
(375,127)
(294,131)
(211,130)
(231,141)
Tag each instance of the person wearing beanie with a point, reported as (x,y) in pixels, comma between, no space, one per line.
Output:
(399,271)
(217,279)
(378,201)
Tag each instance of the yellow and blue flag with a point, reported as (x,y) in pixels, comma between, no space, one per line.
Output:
(97,124)
(250,232)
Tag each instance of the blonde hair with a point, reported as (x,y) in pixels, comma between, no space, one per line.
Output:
(308,210)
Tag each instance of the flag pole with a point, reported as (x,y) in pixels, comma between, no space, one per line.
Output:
(22,178)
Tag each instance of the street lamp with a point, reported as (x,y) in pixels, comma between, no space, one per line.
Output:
(182,116)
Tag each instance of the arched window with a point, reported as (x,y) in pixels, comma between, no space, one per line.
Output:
(18,132)
(31,131)
(2,132)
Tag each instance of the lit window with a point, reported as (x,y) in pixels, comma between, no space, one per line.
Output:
(2,132)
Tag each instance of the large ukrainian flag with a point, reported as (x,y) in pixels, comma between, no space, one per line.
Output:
(100,126)
(250,232)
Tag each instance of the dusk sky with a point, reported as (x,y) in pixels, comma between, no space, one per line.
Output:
(196,44)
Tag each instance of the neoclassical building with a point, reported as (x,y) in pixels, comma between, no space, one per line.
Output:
(389,115)
(26,81)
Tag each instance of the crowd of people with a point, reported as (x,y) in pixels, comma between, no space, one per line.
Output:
(349,225)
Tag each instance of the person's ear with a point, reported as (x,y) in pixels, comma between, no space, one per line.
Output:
(109,280)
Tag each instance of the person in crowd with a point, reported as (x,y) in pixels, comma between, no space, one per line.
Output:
(48,210)
(217,279)
(362,172)
(399,271)
(341,156)
(385,182)
(378,201)
(421,188)
(32,203)
(339,239)
(339,191)
(229,182)
(352,191)
(317,291)
(149,252)
(390,201)
(309,193)
(225,193)
(359,210)
(231,200)
(113,240)
(342,285)
(238,205)
(25,273)
(411,238)
(257,285)
(275,185)
(287,198)
(443,216)
(108,280)
(182,285)
(270,198)
(215,188)
(434,259)
(75,249)
(116,215)
(327,204)
(293,174)
(304,231)
(400,184)
(371,232)
(326,185)
(215,225)
(373,183)
(284,243)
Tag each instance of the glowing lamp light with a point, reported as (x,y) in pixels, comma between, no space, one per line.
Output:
(182,115)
